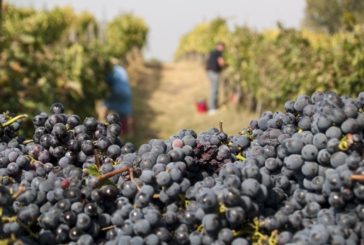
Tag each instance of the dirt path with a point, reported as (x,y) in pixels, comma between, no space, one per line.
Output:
(164,102)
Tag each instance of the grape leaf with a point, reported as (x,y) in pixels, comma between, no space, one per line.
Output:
(92,170)
(107,182)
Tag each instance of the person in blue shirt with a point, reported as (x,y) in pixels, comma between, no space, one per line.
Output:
(120,99)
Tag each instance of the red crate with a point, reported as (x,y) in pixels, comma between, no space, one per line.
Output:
(201,106)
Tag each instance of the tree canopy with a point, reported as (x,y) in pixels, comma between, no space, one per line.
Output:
(331,16)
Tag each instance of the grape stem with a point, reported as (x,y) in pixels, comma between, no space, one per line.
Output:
(220,126)
(12,120)
(97,158)
(32,160)
(28,141)
(115,172)
(27,228)
(357,177)
(8,178)
(108,227)
(20,191)
(131,176)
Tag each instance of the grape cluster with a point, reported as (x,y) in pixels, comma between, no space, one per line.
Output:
(291,177)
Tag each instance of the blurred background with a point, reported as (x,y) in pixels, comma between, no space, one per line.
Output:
(275,50)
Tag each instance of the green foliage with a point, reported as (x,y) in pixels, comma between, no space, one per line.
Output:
(40,27)
(203,37)
(57,55)
(92,170)
(124,32)
(274,66)
(333,15)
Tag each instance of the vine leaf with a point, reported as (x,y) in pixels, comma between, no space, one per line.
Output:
(92,170)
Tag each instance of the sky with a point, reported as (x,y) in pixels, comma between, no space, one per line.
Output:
(168,20)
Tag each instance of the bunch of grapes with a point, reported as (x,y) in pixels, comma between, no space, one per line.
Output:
(291,177)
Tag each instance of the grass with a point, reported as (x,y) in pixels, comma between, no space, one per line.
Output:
(164,102)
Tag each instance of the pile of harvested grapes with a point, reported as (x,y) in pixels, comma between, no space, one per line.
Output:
(292,177)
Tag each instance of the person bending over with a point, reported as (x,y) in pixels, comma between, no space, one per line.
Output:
(120,99)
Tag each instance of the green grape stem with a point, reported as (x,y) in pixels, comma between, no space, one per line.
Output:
(28,141)
(13,120)
(27,228)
